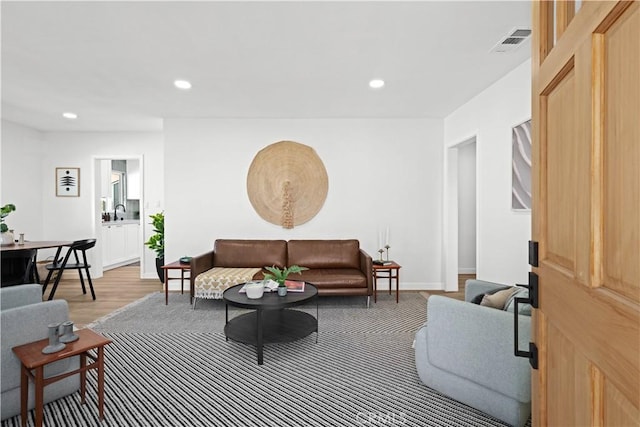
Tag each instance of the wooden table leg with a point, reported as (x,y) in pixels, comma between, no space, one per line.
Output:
(181,281)
(390,275)
(397,285)
(100,362)
(166,287)
(24,393)
(39,395)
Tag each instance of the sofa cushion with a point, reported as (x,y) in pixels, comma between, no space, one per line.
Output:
(478,298)
(524,309)
(498,299)
(333,277)
(250,253)
(326,254)
(25,324)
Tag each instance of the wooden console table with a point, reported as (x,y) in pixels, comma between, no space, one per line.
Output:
(177,265)
(389,271)
(32,359)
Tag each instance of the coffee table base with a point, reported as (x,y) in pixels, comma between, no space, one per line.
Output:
(270,326)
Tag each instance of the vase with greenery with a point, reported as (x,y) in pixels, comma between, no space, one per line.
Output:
(156,242)
(280,275)
(7,236)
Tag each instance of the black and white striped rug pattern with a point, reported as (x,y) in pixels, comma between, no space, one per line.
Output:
(362,374)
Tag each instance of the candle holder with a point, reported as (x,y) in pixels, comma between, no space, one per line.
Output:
(66,332)
(387,248)
(380,251)
(54,340)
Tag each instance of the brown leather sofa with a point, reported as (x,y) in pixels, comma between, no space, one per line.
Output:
(336,267)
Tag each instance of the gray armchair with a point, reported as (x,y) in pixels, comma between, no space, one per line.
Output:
(24,319)
(465,351)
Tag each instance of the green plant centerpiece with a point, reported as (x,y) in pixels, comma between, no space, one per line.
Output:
(4,212)
(280,274)
(156,242)
(7,236)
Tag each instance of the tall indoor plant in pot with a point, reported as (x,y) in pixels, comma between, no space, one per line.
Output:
(7,236)
(156,242)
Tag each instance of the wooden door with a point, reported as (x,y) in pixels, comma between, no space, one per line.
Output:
(586,212)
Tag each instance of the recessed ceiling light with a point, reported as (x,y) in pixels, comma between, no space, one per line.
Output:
(376,83)
(182,84)
(70,115)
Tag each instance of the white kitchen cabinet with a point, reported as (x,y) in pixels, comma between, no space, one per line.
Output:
(121,244)
(132,241)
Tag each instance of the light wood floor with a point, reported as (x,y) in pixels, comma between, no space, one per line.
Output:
(462,278)
(117,288)
(121,286)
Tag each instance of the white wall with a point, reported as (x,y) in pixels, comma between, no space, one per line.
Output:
(382,173)
(467,208)
(502,233)
(21,179)
(72,218)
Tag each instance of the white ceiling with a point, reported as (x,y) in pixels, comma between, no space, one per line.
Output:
(113,63)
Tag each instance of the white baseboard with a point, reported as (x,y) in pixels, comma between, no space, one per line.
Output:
(174,285)
(466,270)
(411,286)
(120,264)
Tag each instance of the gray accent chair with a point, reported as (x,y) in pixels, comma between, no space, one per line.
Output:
(24,319)
(465,351)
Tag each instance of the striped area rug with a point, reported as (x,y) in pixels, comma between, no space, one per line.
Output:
(170,365)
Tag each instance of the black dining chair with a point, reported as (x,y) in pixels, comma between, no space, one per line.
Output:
(18,267)
(59,265)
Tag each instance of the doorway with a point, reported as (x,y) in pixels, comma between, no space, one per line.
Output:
(460,212)
(467,208)
(118,212)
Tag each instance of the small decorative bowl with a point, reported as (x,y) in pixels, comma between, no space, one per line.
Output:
(254,290)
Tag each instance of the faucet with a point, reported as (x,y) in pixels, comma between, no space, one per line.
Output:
(115,211)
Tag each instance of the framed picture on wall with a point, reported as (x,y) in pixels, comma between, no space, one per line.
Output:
(67,182)
(521,167)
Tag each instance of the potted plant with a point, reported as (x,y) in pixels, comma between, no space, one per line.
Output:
(156,242)
(7,236)
(280,276)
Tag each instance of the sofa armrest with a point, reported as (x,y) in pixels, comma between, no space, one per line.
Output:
(473,287)
(366,266)
(476,343)
(22,325)
(200,264)
(17,296)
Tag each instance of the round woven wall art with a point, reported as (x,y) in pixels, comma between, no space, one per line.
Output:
(287,183)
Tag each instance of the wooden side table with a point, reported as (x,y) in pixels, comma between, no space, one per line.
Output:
(389,271)
(176,265)
(32,359)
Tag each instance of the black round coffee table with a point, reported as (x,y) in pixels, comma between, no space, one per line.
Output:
(272,321)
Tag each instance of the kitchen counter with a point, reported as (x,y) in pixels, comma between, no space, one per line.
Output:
(122,222)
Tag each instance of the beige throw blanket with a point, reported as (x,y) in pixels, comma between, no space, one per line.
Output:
(212,283)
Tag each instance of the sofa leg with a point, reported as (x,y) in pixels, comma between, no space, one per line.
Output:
(368,300)
(194,302)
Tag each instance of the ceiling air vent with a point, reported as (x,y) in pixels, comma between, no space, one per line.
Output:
(512,40)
